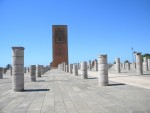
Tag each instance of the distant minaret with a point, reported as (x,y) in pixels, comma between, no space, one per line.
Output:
(60,44)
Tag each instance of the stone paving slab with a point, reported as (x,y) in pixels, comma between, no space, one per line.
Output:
(127,77)
(59,92)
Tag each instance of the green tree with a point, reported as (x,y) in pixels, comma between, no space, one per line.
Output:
(147,55)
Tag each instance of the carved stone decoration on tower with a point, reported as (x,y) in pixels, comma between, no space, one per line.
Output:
(60,44)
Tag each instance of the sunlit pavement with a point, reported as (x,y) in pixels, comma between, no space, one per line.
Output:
(60,92)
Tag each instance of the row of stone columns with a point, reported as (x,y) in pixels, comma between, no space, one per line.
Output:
(18,69)
(2,71)
(101,66)
(139,65)
(89,66)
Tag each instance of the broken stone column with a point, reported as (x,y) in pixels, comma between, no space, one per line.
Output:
(103,70)
(139,69)
(75,69)
(38,71)
(33,72)
(96,65)
(18,68)
(145,64)
(1,72)
(83,70)
(70,68)
(149,64)
(118,65)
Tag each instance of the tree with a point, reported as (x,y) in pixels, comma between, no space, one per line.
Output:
(126,61)
(147,55)
(8,66)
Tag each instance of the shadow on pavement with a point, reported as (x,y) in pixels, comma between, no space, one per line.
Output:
(35,90)
(92,78)
(116,84)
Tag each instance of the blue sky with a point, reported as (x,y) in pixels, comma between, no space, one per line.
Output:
(95,27)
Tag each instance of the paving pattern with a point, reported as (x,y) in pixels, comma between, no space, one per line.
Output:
(59,92)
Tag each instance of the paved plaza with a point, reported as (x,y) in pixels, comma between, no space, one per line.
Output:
(60,92)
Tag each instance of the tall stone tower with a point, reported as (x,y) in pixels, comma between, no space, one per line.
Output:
(60,44)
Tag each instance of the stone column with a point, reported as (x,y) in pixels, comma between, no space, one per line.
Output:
(18,68)
(33,72)
(28,69)
(118,65)
(124,66)
(145,64)
(4,70)
(103,70)
(47,68)
(70,68)
(1,72)
(127,65)
(25,70)
(96,65)
(38,71)
(10,70)
(121,65)
(67,68)
(42,69)
(90,66)
(139,64)
(78,66)
(149,64)
(134,65)
(59,66)
(83,70)
(64,66)
(75,69)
